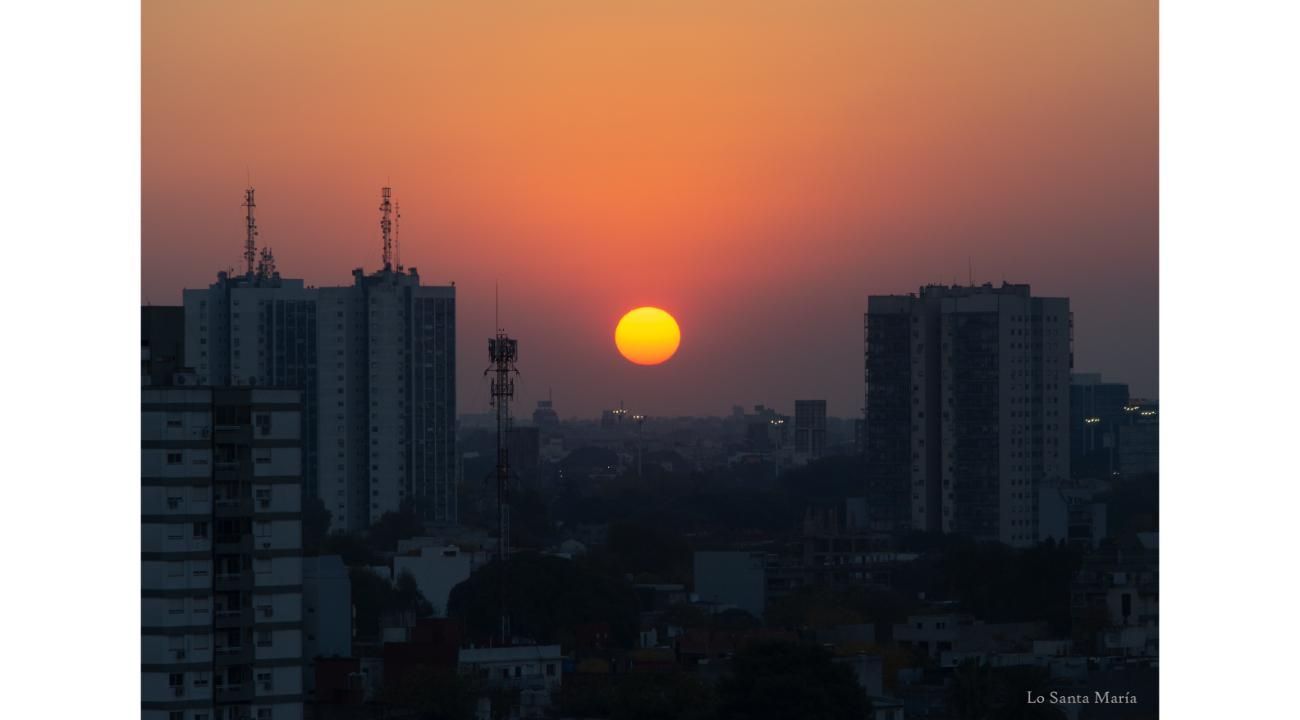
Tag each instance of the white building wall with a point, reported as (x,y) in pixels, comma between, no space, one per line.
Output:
(436,571)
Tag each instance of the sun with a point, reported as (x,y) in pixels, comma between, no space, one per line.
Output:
(647,336)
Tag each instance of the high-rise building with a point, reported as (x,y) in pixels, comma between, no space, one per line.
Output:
(968,396)
(376,365)
(1138,439)
(162,343)
(221,561)
(1096,412)
(810,428)
(544,416)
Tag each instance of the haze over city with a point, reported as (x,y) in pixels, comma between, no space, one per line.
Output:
(755,171)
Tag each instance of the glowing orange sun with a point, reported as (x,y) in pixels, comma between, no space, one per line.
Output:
(647,336)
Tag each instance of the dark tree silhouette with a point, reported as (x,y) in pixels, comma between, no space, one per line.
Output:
(548,597)
(785,681)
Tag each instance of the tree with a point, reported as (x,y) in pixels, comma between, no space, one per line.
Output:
(656,552)
(436,695)
(392,527)
(373,597)
(548,597)
(638,696)
(785,681)
(351,547)
(315,525)
(981,692)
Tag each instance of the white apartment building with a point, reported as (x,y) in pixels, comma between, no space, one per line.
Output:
(375,362)
(221,561)
(534,670)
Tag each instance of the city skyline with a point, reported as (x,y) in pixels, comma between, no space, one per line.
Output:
(591,161)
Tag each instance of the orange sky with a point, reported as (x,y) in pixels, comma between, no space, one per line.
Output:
(755,168)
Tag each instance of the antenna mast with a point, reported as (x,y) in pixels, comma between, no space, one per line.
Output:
(503,351)
(397,235)
(386,227)
(250,242)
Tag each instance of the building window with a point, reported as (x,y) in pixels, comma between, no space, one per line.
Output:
(176,680)
(264,638)
(200,530)
(175,458)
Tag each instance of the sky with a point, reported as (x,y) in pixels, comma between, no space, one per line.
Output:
(757,169)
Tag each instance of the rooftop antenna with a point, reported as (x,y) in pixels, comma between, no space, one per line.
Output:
(250,241)
(386,226)
(266,266)
(503,351)
(397,235)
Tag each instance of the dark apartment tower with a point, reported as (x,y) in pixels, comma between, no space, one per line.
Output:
(887,438)
(810,428)
(967,408)
(162,343)
(1096,412)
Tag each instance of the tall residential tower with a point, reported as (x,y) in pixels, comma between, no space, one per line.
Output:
(968,396)
(376,364)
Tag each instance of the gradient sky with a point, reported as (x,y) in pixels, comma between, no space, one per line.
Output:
(755,168)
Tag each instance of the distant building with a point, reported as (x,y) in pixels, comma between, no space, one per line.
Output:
(1096,412)
(162,343)
(968,396)
(375,362)
(545,416)
(839,548)
(221,553)
(1069,512)
(535,671)
(810,428)
(1138,439)
(436,570)
(1115,601)
(767,430)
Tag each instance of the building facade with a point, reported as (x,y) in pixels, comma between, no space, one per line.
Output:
(1096,412)
(221,562)
(162,343)
(968,396)
(810,428)
(375,362)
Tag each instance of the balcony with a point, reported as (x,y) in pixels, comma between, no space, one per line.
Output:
(233,655)
(233,544)
(232,507)
(233,581)
(234,693)
(234,618)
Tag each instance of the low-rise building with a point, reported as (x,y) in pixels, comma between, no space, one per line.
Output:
(535,671)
